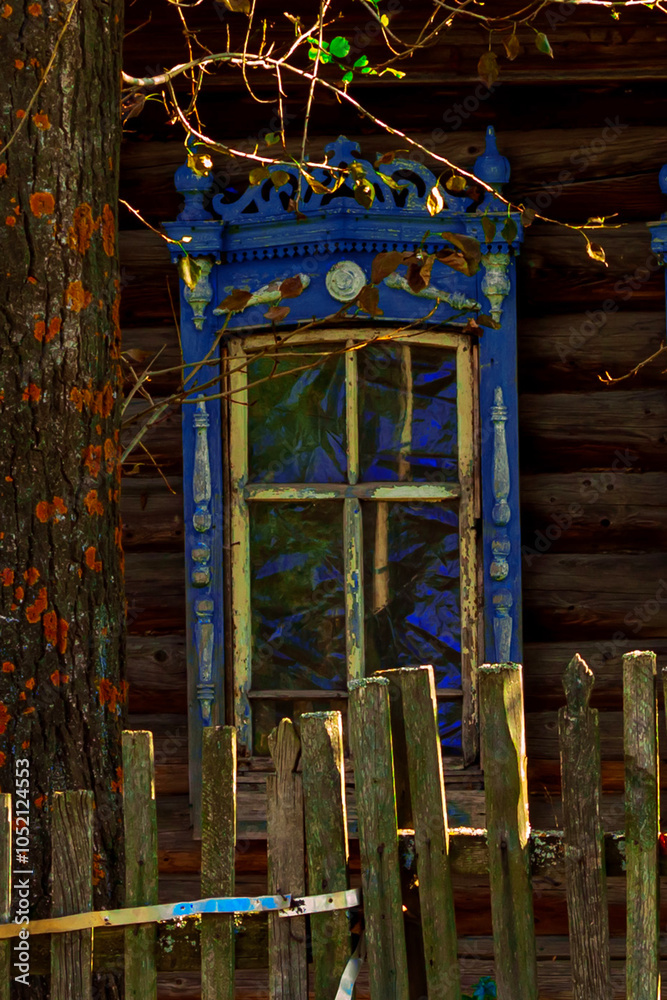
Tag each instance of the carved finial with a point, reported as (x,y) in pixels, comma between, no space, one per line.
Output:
(491,166)
(578,681)
(284,747)
(193,184)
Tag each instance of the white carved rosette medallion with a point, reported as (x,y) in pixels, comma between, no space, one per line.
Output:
(345,280)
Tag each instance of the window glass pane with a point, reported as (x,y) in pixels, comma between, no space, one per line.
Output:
(298,611)
(296,418)
(412,594)
(407,413)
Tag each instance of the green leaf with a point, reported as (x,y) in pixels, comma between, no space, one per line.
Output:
(509,231)
(361,61)
(189,270)
(258,174)
(394,72)
(489,227)
(271,138)
(384,21)
(487,68)
(456,183)
(542,44)
(312,53)
(348,77)
(340,47)
(512,46)
(364,193)
(435,201)
(279,178)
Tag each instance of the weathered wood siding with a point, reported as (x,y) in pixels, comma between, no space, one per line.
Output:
(594,479)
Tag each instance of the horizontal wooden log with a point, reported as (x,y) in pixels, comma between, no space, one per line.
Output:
(155,592)
(156,673)
(562,432)
(572,350)
(545,662)
(152,513)
(154,350)
(589,175)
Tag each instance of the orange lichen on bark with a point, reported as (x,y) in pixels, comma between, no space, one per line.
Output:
(92,562)
(92,459)
(19,594)
(3,169)
(76,297)
(110,455)
(117,785)
(54,328)
(7,577)
(20,113)
(8,667)
(19,64)
(55,678)
(29,711)
(35,611)
(4,717)
(25,745)
(39,801)
(3,758)
(110,695)
(40,329)
(108,231)
(63,630)
(7,10)
(55,509)
(50,626)
(31,576)
(30,684)
(42,203)
(105,402)
(35,9)
(41,120)
(32,393)
(22,696)
(93,504)
(82,228)
(10,221)
(116,336)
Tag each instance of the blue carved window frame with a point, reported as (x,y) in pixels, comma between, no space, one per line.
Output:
(254,244)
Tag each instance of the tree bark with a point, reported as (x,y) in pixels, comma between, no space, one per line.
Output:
(62,691)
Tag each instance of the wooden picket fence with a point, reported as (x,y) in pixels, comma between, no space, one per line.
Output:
(307,834)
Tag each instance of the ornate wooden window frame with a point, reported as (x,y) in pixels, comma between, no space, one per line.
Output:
(254,244)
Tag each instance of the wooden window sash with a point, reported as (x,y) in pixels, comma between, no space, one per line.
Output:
(464,494)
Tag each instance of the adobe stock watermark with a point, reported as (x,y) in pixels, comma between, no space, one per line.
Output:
(21,871)
(590,492)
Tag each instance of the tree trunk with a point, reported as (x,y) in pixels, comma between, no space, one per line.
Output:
(62,692)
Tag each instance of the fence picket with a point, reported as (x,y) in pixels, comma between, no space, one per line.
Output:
(370,742)
(503,744)
(586,882)
(218,849)
(288,969)
(141,867)
(429,810)
(72,874)
(642,813)
(326,842)
(5,889)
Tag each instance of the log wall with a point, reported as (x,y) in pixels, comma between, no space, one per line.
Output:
(593,457)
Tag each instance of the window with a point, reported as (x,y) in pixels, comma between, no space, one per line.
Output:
(353,506)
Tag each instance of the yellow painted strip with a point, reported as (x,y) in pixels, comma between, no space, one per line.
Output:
(466,402)
(352,413)
(354,590)
(340,491)
(360,335)
(240,545)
